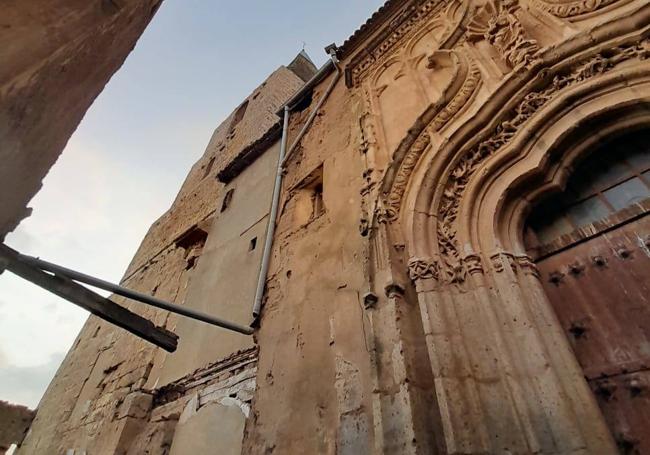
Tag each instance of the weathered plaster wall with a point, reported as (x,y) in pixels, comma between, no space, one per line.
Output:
(314,371)
(87,405)
(456,349)
(200,194)
(226,276)
(101,396)
(48,48)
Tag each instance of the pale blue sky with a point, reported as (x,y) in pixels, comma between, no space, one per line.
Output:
(123,166)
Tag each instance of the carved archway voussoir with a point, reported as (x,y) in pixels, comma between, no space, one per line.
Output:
(470,161)
(455,98)
(568,8)
(401,33)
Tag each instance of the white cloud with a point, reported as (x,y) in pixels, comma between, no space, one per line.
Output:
(25,385)
(90,216)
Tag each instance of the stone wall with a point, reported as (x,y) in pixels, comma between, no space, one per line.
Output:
(199,196)
(405,316)
(52,47)
(402,314)
(14,423)
(101,396)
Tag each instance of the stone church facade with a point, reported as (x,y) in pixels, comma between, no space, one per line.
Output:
(460,256)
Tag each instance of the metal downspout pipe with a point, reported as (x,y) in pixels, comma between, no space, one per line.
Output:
(270,229)
(282,160)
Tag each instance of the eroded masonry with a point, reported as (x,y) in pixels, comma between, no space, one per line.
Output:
(460,258)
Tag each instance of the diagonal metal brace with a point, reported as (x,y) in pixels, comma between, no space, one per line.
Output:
(88,300)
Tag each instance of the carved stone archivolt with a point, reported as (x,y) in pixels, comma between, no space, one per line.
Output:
(497,23)
(459,91)
(423,269)
(568,8)
(450,14)
(468,163)
(393,201)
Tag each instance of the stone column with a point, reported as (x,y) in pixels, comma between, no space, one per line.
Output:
(506,379)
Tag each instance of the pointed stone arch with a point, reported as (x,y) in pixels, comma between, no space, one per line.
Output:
(495,346)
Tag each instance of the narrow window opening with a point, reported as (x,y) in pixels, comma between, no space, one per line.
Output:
(307,200)
(304,103)
(208,167)
(239,115)
(252,244)
(192,241)
(227,199)
(318,207)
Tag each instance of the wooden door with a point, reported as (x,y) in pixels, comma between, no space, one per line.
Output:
(593,251)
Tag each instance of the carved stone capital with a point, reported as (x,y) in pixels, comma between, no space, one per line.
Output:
(473,264)
(501,259)
(423,268)
(527,265)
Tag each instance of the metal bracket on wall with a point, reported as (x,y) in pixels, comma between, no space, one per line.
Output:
(63,282)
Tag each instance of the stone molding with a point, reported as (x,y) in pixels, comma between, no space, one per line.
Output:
(497,23)
(568,8)
(470,161)
(458,95)
(404,25)
(422,268)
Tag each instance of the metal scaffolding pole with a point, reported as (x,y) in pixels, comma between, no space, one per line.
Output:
(96,304)
(128,293)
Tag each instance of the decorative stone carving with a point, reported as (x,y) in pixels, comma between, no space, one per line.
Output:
(501,258)
(498,24)
(455,273)
(527,265)
(568,8)
(423,268)
(473,264)
(502,134)
(394,199)
(471,79)
(393,290)
(459,92)
(403,26)
(370,300)
(427,268)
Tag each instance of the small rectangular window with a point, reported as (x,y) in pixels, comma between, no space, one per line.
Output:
(252,244)
(227,199)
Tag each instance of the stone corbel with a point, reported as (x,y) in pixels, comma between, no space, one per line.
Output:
(394,289)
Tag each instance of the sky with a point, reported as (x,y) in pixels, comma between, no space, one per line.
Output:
(125,163)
